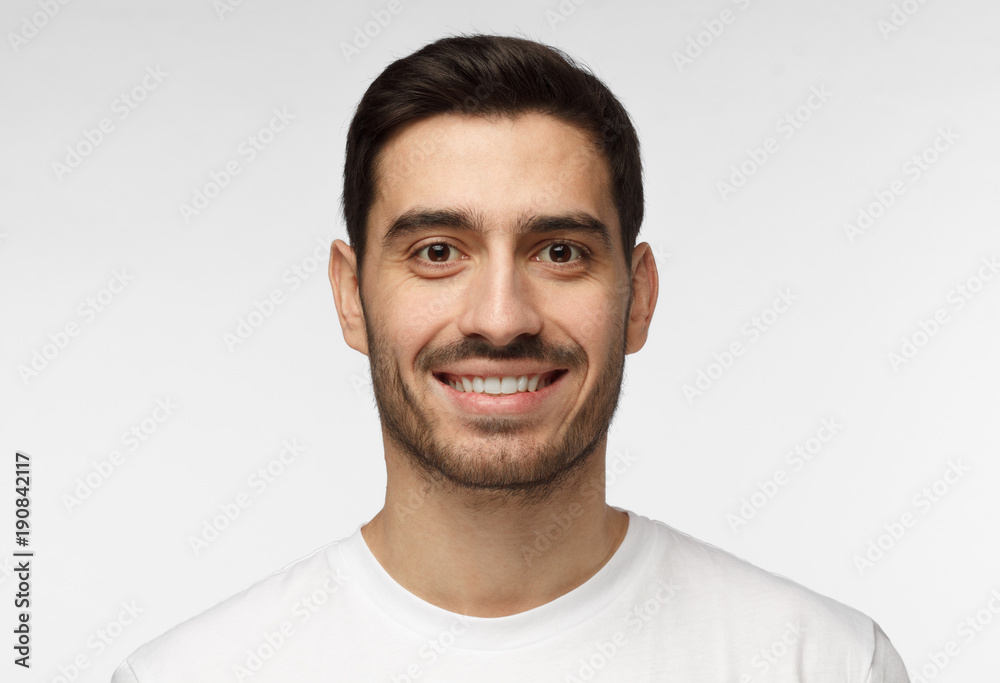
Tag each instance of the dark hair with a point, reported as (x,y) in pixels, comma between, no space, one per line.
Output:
(489,76)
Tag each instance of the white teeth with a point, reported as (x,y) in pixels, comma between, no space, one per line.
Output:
(499,385)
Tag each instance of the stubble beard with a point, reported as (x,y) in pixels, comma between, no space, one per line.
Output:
(501,467)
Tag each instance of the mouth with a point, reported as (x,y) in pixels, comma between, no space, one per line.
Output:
(500,386)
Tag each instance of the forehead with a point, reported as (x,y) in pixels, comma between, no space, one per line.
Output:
(502,168)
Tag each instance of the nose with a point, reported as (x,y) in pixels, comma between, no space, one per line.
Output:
(500,303)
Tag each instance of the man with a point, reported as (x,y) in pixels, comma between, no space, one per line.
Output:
(493,196)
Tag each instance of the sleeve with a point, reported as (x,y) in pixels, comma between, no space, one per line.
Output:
(124,674)
(886,666)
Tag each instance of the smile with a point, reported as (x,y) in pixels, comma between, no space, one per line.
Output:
(498,386)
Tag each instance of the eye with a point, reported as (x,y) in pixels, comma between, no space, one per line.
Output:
(438,252)
(562,252)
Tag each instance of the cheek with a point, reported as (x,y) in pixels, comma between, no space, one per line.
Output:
(418,316)
(594,324)
(411,324)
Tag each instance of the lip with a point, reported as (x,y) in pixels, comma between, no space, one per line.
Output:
(489,404)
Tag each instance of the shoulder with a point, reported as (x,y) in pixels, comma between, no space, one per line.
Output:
(714,576)
(763,617)
(210,645)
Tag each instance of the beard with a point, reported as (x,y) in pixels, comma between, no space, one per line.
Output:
(502,463)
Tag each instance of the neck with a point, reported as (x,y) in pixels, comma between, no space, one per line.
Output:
(475,554)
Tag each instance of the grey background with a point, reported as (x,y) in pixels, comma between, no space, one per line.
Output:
(722,260)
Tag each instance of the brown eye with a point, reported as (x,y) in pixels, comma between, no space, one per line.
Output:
(560,252)
(438,252)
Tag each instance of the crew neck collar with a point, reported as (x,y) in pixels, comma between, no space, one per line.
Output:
(508,632)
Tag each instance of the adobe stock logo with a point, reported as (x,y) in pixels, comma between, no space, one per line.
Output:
(259,482)
(264,308)
(912,170)
(900,14)
(770,656)
(560,522)
(98,642)
(271,641)
(604,652)
(47,352)
(751,330)
(434,648)
(969,629)
(564,11)
(363,35)
(133,439)
(224,7)
(959,296)
(699,42)
(923,502)
(757,156)
(248,150)
(30,26)
(796,458)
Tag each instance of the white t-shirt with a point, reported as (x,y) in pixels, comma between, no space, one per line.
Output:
(666,607)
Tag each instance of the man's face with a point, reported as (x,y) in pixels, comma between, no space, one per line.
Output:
(463,305)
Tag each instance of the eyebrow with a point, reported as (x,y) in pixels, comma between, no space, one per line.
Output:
(416,220)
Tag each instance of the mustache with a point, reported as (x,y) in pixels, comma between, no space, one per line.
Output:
(522,348)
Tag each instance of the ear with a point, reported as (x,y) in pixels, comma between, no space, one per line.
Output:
(347,295)
(645,287)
